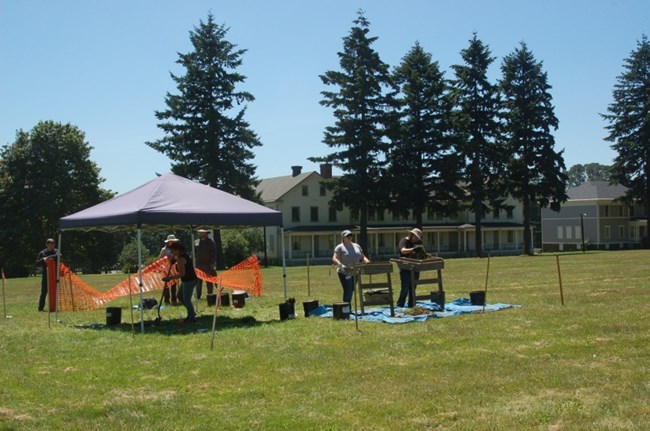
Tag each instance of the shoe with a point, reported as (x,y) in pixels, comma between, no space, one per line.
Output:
(188,320)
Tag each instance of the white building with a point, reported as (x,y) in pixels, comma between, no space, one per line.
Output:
(593,207)
(312,227)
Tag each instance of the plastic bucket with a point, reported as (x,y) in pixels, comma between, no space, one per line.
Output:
(309,306)
(239,300)
(477,297)
(113,316)
(438,297)
(341,310)
(212,299)
(225,299)
(287,310)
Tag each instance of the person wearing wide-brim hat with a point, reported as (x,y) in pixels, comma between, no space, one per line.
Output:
(169,291)
(347,253)
(408,246)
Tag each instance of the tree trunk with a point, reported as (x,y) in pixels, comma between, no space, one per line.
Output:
(478,233)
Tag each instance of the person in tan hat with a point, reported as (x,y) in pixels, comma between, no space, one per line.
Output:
(408,246)
(169,291)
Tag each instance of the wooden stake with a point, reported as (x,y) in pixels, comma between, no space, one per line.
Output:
(487,275)
(217,304)
(4,301)
(559,276)
(308,279)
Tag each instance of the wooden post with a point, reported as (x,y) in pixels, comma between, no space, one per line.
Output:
(559,276)
(308,279)
(217,304)
(487,275)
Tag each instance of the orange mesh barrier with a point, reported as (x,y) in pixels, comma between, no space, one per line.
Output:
(76,295)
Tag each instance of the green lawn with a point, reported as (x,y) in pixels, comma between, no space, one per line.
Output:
(544,366)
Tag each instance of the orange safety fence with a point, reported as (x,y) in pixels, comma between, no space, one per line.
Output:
(77,295)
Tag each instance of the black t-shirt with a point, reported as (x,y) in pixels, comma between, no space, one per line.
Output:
(190,274)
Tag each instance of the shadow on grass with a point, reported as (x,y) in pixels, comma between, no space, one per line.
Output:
(202,324)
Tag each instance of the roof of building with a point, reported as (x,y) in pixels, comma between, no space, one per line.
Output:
(272,189)
(596,190)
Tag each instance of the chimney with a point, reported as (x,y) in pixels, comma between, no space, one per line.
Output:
(326,170)
(295,170)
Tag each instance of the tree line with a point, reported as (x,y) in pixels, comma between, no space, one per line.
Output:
(409,140)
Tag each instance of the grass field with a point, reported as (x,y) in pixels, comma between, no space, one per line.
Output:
(543,366)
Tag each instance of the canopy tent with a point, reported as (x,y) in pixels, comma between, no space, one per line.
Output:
(171,202)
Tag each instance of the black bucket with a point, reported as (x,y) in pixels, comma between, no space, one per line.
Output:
(239,300)
(438,297)
(341,310)
(309,306)
(212,299)
(477,297)
(225,299)
(113,316)
(287,310)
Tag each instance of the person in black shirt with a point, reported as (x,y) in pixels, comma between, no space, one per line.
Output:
(408,247)
(187,277)
(48,253)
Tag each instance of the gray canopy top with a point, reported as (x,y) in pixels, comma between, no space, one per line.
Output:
(170,201)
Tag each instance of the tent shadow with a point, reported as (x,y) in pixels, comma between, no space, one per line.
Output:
(203,324)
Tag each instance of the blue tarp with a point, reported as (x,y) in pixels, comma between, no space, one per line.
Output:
(382,314)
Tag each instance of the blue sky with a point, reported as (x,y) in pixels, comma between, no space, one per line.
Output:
(104,65)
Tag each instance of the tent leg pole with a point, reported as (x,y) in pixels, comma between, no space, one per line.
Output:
(58,274)
(140,280)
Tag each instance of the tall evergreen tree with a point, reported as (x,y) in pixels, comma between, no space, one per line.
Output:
(477,131)
(44,175)
(629,126)
(536,172)
(362,107)
(206,136)
(424,168)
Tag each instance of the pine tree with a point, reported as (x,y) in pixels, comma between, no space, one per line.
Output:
(362,108)
(477,132)
(536,172)
(629,127)
(206,136)
(424,168)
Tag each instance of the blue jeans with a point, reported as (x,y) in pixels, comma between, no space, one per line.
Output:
(405,291)
(185,291)
(348,287)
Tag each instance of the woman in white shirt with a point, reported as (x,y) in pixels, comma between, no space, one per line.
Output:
(345,254)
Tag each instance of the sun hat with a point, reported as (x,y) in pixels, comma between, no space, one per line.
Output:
(346,233)
(203,231)
(171,238)
(417,232)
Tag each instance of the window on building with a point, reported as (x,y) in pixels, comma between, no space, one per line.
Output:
(578,233)
(332,214)
(305,190)
(621,232)
(296,243)
(313,211)
(568,232)
(509,213)
(495,213)
(396,216)
(371,214)
(510,236)
(380,215)
(632,232)
(604,211)
(323,190)
(608,232)
(295,214)
(354,215)
(560,232)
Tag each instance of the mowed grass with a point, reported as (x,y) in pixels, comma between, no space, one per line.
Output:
(543,366)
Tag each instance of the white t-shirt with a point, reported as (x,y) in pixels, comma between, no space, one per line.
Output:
(349,255)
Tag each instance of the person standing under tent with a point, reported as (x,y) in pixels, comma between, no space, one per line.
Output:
(49,252)
(169,292)
(205,253)
(408,247)
(347,253)
(187,276)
